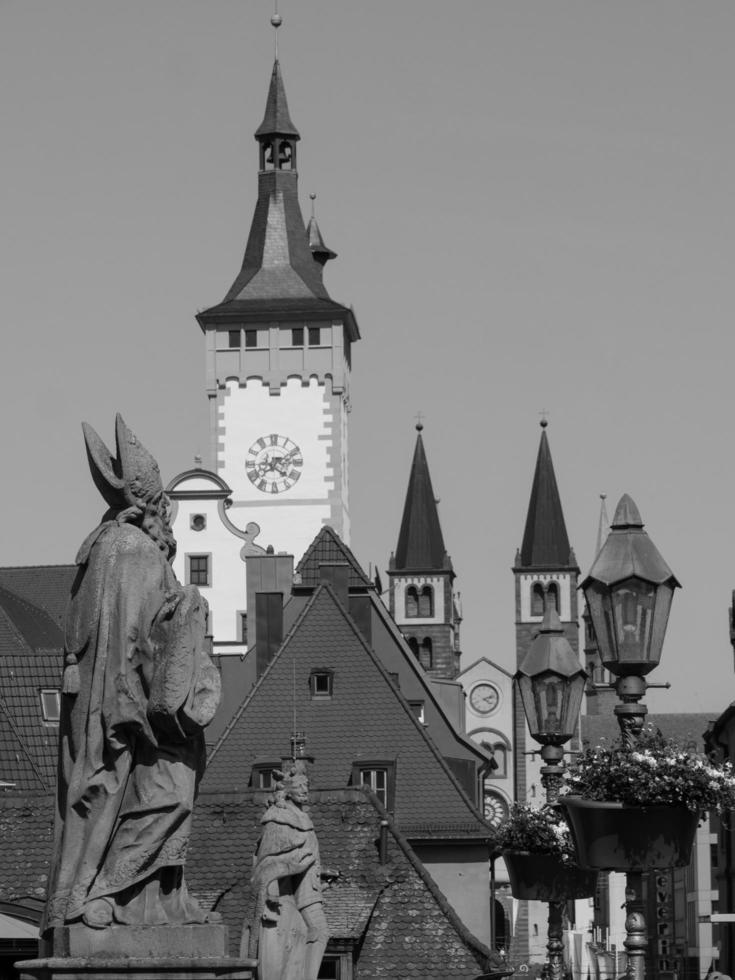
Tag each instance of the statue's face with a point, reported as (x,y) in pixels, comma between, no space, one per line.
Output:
(299,791)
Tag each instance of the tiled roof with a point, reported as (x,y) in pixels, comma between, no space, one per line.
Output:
(28,745)
(328,548)
(47,586)
(420,542)
(685,727)
(367,718)
(394,908)
(26,839)
(545,539)
(31,658)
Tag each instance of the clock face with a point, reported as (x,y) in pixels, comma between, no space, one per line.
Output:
(484,698)
(494,808)
(273,463)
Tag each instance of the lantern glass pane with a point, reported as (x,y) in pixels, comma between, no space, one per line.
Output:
(633,604)
(664,596)
(525,687)
(600,609)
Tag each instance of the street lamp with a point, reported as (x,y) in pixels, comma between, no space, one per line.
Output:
(551,682)
(629,591)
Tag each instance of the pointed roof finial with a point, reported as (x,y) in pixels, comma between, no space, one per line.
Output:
(319,248)
(419,421)
(603,527)
(544,418)
(276,21)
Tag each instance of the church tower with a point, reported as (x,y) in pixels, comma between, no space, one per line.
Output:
(278,356)
(545,573)
(422,599)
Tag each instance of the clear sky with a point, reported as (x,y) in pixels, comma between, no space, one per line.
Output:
(533,207)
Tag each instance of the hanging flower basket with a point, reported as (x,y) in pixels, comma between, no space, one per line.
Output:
(547,878)
(612,836)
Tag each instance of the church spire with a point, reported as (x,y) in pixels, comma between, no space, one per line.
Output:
(545,540)
(420,541)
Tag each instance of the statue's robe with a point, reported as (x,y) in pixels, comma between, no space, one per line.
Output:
(127,776)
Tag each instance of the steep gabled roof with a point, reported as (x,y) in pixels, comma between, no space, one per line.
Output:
(420,543)
(394,912)
(328,548)
(545,540)
(47,586)
(366,718)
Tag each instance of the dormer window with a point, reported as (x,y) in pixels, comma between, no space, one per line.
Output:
(51,705)
(261,775)
(379,775)
(321,684)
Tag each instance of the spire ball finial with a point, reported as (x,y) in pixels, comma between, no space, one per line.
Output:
(543,423)
(312,196)
(276,21)
(419,426)
(419,421)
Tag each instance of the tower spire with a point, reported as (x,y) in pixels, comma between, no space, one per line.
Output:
(420,541)
(545,539)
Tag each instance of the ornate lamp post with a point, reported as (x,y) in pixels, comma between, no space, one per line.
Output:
(629,591)
(551,683)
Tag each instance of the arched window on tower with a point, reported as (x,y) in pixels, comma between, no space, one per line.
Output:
(426,602)
(412,602)
(414,645)
(285,155)
(426,653)
(552,596)
(537,599)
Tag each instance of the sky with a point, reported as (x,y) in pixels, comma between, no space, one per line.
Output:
(533,207)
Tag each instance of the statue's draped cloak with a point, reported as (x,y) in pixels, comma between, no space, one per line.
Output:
(125,790)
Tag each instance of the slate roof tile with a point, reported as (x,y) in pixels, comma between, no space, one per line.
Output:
(328,548)
(366,718)
(26,840)
(47,586)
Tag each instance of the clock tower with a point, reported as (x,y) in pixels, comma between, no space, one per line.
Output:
(278,354)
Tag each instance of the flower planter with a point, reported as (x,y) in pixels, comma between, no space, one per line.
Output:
(612,836)
(546,878)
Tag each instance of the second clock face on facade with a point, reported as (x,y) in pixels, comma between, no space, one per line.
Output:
(484,698)
(273,463)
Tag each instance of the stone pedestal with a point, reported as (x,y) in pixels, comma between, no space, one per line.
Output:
(196,952)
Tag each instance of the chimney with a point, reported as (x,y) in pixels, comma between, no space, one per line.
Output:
(268,628)
(267,573)
(337,575)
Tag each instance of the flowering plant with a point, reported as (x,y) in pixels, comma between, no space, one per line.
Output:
(657,771)
(538,830)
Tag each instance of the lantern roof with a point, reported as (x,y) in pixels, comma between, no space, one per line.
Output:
(628,551)
(551,651)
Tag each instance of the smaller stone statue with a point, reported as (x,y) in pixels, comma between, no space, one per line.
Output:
(289,932)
